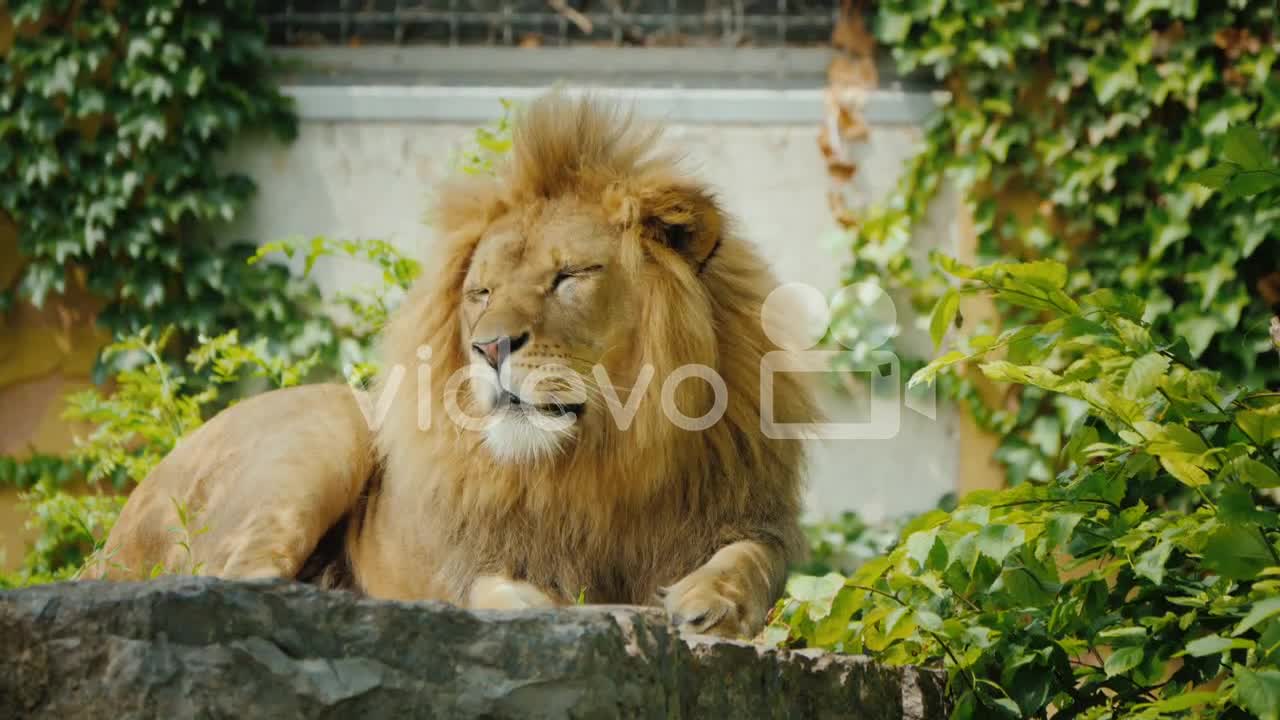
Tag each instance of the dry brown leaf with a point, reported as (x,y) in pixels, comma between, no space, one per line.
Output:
(1236,42)
(840,211)
(1269,288)
(850,124)
(841,171)
(1167,39)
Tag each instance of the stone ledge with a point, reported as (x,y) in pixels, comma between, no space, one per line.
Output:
(198,647)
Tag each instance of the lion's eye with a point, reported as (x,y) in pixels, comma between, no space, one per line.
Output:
(478,294)
(572,273)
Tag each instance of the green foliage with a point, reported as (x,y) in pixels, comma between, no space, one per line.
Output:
(1070,132)
(25,474)
(1247,168)
(488,144)
(113,118)
(847,542)
(360,313)
(152,406)
(1148,568)
(69,527)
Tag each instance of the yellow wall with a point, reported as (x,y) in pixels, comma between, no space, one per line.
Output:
(45,354)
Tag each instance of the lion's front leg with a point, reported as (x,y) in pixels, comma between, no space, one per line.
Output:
(496,592)
(730,595)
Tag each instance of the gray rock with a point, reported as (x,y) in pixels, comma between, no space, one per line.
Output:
(204,648)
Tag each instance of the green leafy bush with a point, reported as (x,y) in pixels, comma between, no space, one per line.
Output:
(1141,581)
(152,406)
(1069,132)
(1125,586)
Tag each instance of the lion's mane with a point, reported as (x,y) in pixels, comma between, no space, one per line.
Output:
(618,513)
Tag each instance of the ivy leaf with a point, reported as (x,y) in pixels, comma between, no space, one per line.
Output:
(1262,426)
(1144,375)
(1262,610)
(1151,563)
(1255,473)
(1123,660)
(1198,331)
(1216,177)
(1008,707)
(1045,274)
(1004,371)
(835,625)
(1062,526)
(1121,303)
(1251,182)
(1236,552)
(1258,692)
(1110,78)
(944,316)
(1236,506)
(965,707)
(929,373)
(819,592)
(920,545)
(1243,146)
(1185,701)
(1183,454)
(1215,645)
(997,541)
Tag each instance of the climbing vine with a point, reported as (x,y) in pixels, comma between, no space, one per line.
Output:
(1070,131)
(113,120)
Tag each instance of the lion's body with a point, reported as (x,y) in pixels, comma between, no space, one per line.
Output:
(260,484)
(507,515)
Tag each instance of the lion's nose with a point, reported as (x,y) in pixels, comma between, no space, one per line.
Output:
(497,349)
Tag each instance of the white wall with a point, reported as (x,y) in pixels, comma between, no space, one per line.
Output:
(370,179)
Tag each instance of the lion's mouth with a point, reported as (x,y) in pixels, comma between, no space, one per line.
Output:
(512,401)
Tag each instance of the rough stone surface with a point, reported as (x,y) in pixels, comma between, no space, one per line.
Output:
(203,648)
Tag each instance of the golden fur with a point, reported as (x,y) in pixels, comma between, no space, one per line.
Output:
(592,250)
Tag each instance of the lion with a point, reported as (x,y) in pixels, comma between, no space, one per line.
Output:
(569,410)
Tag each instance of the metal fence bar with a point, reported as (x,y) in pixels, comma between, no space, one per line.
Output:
(509,22)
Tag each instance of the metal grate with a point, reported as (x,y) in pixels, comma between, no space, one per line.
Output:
(551,22)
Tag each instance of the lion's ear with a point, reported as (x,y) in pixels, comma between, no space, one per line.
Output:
(675,212)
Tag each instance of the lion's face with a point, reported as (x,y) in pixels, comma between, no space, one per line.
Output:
(544,304)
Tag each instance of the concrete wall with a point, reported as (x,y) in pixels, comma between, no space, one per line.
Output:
(363,171)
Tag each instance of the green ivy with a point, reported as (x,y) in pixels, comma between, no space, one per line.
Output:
(1097,111)
(113,121)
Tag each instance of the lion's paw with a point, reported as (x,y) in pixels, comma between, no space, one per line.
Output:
(707,604)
